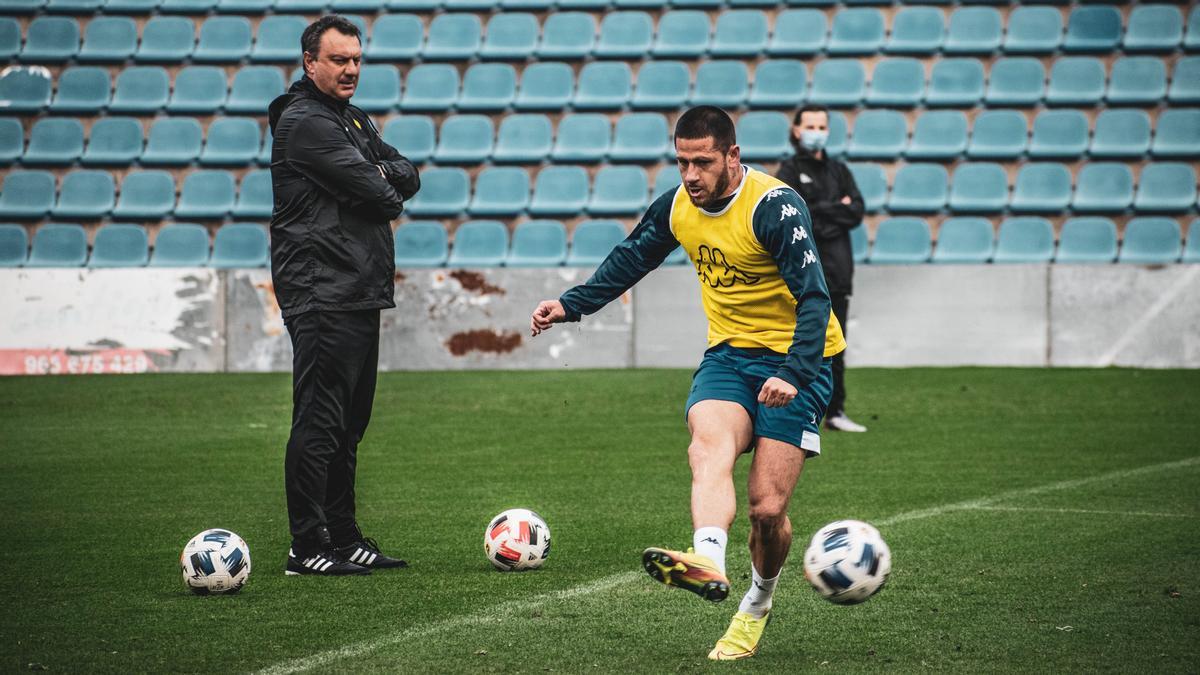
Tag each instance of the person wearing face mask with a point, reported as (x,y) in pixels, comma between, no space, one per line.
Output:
(828,188)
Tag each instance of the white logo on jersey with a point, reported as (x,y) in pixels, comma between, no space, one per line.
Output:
(809,257)
(798,234)
(788,210)
(805,179)
(773,193)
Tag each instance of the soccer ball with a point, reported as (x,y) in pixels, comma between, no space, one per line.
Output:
(215,561)
(847,562)
(517,539)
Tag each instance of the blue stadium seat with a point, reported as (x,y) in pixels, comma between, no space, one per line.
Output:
(14,245)
(412,135)
(488,86)
(798,32)
(120,245)
(901,241)
(878,134)
(343,6)
(667,178)
(740,33)
(253,89)
(187,6)
(1178,133)
(199,90)
(264,154)
(24,6)
(998,134)
(725,84)
(1137,80)
(479,243)
(110,39)
(1191,39)
(1167,187)
(1059,134)
(559,190)
(1094,28)
(964,240)
(682,33)
(897,82)
(173,141)
(239,245)
(919,188)
(209,193)
(58,245)
(231,141)
(1125,134)
(1185,81)
(27,194)
(1191,250)
(1151,241)
(871,180)
(538,243)
(421,243)
(466,5)
(395,37)
(166,39)
(82,89)
(603,86)
(223,39)
(527,4)
(979,187)
(1033,30)
(661,84)
(763,135)
(180,245)
(640,137)
(624,35)
(938,135)
(500,191)
(1041,188)
(859,244)
(582,137)
(857,30)
(778,83)
(1103,187)
(12,140)
(973,30)
(378,88)
(131,6)
(523,138)
(619,190)
(254,199)
(430,86)
(56,141)
(140,89)
(114,141)
(546,85)
(244,6)
(838,83)
(88,194)
(278,39)
(838,133)
(1016,81)
(1153,28)
(453,37)
(51,39)
(464,139)
(145,195)
(444,192)
(567,35)
(1077,81)
(1025,239)
(510,36)
(1089,239)
(10,42)
(956,82)
(593,240)
(916,30)
(24,89)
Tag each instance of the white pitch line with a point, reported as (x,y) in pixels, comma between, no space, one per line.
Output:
(495,613)
(1149,514)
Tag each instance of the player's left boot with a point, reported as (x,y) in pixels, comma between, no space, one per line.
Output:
(689,571)
(366,552)
(741,638)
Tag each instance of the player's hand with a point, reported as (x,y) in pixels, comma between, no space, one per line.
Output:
(776,393)
(846,200)
(548,313)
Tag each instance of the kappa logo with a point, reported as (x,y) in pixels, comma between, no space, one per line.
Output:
(774,193)
(809,257)
(712,267)
(711,539)
(799,234)
(788,211)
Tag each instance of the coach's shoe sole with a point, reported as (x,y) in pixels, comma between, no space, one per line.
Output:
(689,571)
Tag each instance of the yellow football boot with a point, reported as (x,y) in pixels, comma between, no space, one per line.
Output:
(740,639)
(689,571)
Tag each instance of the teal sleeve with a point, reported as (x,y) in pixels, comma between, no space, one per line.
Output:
(784,227)
(643,250)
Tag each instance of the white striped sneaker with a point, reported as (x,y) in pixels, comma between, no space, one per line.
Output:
(366,552)
(327,562)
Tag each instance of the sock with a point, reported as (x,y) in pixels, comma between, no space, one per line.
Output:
(710,543)
(757,601)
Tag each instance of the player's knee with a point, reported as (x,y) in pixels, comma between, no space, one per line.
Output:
(770,511)
(706,457)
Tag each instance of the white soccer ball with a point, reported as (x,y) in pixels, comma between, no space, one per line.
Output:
(847,562)
(215,561)
(517,539)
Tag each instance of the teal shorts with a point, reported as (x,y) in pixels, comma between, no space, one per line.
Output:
(736,374)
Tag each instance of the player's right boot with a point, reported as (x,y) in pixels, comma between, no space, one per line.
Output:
(740,640)
(327,563)
(689,571)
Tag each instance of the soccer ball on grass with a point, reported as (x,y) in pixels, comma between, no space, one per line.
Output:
(847,562)
(215,561)
(517,539)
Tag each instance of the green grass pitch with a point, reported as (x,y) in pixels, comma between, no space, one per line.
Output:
(1040,521)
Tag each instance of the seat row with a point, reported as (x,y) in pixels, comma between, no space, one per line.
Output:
(126,245)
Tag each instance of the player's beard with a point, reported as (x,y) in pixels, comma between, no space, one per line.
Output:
(718,192)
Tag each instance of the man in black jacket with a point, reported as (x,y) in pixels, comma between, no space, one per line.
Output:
(828,188)
(337,186)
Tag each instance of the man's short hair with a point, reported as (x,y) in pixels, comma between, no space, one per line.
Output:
(810,108)
(310,40)
(707,121)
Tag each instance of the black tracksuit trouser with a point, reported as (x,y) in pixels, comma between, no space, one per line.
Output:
(840,306)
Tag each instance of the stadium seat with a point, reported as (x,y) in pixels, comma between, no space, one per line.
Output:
(998,134)
(254,199)
(956,82)
(500,192)
(141,90)
(55,141)
(421,243)
(524,138)
(58,245)
(682,33)
(86,194)
(1103,187)
(111,39)
(231,141)
(445,191)
(1168,187)
(430,86)
(1033,30)
(838,132)
(857,30)
(1137,80)
(1041,188)
(24,89)
(1059,134)
(666,179)
(199,90)
(1077,81)
(1125,134)
(180,245)
(14,245)
(12,140)
(919,188)
(1026,239)
(559,190)
(545,86)
(223,39)
(763,135)
(82,89)
(619,191)
(488,86)
(51,39)
(464,139)
(1153,28)
(974,30)
(900,241)
(593,240)
(253,89)
(1191,39)
(798,32)
(510,36)
(173,141)
(145,195)
(527,4)
(938,135)
(239,245)
(244,6)
(395,37)
(582,137)
(897,82)
(453,37)
(166,39)
(916,30)
(603,85)
(120,245)
(871,180)
(1151,241)
(412,135)
(27,194)
(878,134)
(278,39)
(10,42)
(740,33)
(624,35)
(778,83)
(1094,28)
(1191,250)
(209,193)
(859,244)
(187,6)
(479,243)
(538,243)
(640,137)
(1185,81)
(964,240)
(661,84)
(343,6)
(1088,239)
(724,84)
(567,35)
(838,83)
(1178,133)
(24,6)
(378,88)
(114,141)
(978,187)
(1015,81)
